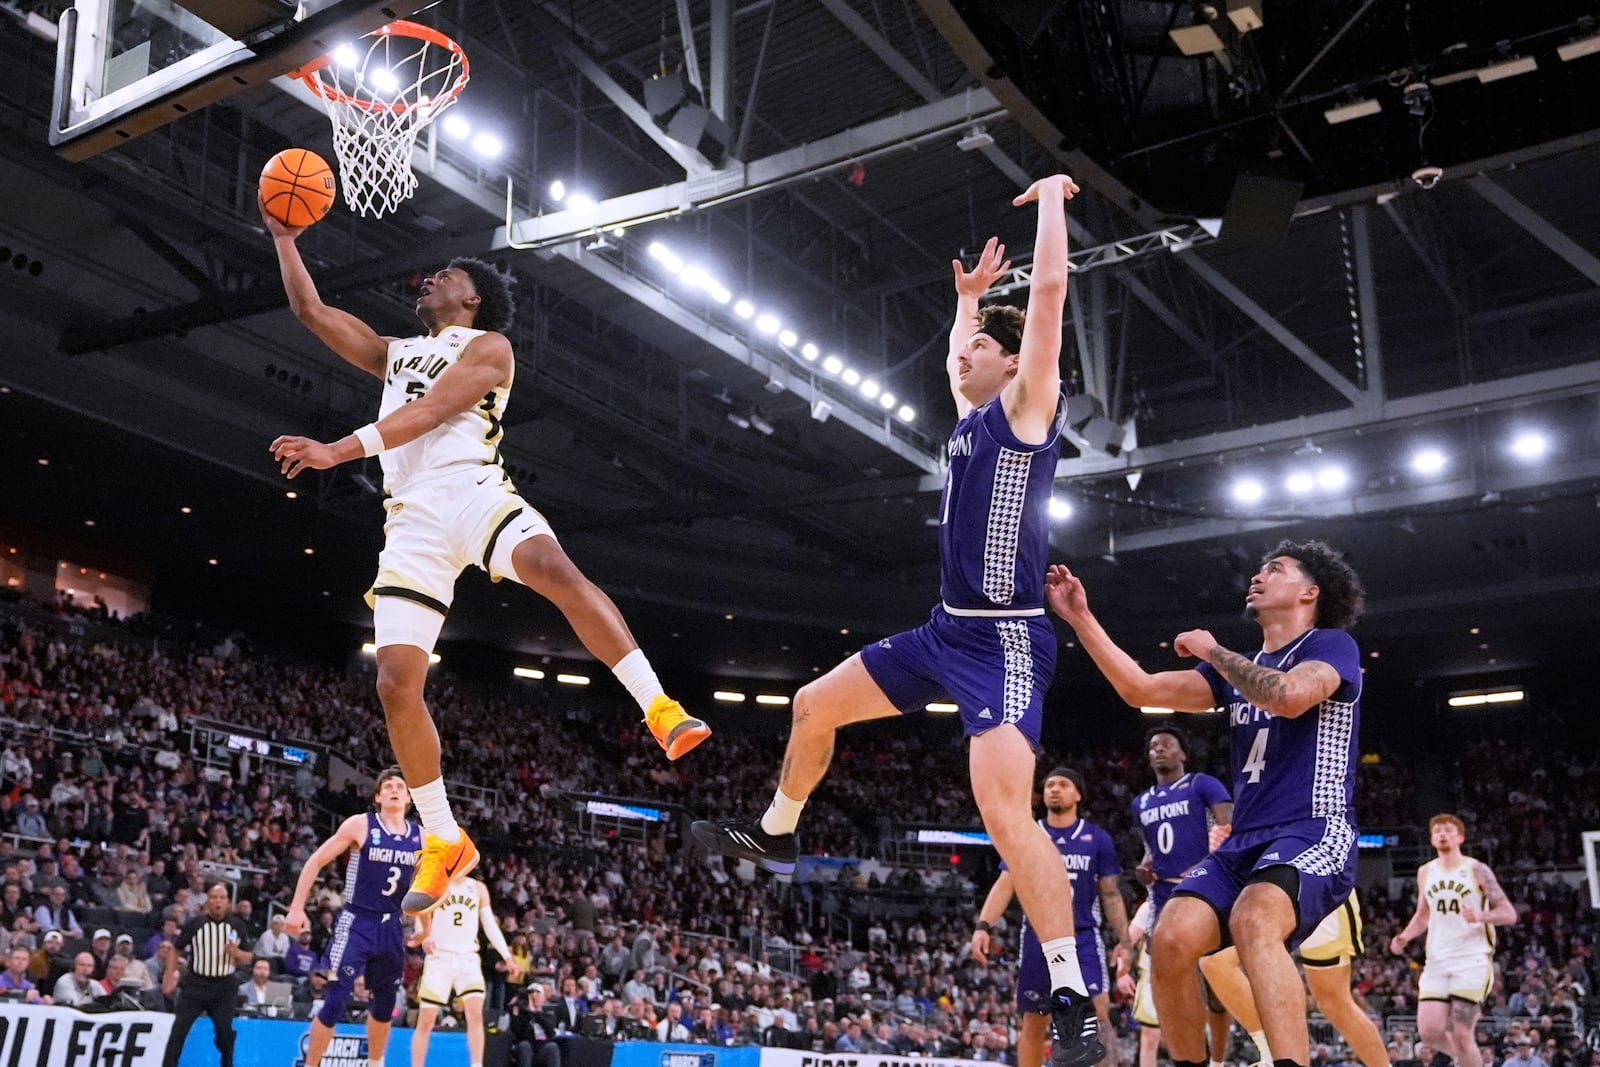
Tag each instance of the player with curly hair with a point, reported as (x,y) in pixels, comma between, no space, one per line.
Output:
(1294,710)
(451,505)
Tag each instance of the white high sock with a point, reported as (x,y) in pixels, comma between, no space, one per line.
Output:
(1061,955)
(1217,1063)
(782,815)
(1260,1038)
(433,807)
(638,677)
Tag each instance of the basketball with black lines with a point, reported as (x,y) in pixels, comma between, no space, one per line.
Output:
(297,187)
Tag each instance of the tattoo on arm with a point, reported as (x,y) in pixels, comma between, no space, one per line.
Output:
(1262,686)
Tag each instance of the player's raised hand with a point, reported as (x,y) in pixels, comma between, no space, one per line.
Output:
(990,268)
(274,227)
(1065,592)
(1056,185)
(294,923)
(295,454)
(1196,643)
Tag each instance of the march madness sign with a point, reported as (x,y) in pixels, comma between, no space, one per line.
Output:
(63,1037)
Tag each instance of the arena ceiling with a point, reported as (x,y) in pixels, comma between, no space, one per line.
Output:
(151,359)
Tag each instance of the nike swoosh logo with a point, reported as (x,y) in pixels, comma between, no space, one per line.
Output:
(485,478)
(450,870)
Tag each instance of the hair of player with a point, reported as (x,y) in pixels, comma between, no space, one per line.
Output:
(1340,597)
(1172,732)
(1446,817)
(495,304)
(391,771)
(1004,323)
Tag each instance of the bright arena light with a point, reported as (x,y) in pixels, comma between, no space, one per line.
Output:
(907,413)
(1333,478)
(580,202)
(1248,491)
(662,254)
(1428,461)
(767,323)
(870,389)
(489,146)
(384,80)
(1060,510)
(833,364)
(345,54)
(886,401)
(1299,483)
(788,338)
(456,128)
(851,376)
(744,309)
(558,188)
(1530,445)
(808,350)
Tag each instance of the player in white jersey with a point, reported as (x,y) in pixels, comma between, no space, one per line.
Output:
(1326,956)
(1136,986)
(449,936)
(451,505)
(1459,903)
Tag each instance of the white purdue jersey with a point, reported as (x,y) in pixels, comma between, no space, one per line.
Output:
(463,441)
(455,921)
(1451,939)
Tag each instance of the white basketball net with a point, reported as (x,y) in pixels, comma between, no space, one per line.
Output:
(379,101)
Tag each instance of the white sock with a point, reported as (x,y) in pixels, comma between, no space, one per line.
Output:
(1260,1038)
(1217,1063)
(433,807)
(782,815)
(638,677)
(1061,954)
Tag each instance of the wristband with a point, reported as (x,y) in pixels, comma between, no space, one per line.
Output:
(371,440)
(982,927)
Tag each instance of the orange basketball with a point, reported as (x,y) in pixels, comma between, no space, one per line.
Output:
(297,187)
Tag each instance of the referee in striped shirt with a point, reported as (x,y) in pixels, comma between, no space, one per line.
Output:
(213,941)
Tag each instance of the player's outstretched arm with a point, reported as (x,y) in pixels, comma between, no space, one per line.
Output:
(1501,912)
(994,906)
(348,836)
(491,930)
(992,265)
(1419,920)
(1030,399)
(355,342)
(1179,690)
(484,365)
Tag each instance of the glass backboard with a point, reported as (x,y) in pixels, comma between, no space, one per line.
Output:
(125,67)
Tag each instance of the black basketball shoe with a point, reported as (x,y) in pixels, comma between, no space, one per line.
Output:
(1077,1030)
(777,853)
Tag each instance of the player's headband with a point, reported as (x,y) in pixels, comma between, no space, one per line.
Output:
(1007,338)
(1070,775)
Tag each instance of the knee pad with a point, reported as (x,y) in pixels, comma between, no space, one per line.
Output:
(334,998)
(381,1007)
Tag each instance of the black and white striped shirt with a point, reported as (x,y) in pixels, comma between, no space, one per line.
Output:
(206,940)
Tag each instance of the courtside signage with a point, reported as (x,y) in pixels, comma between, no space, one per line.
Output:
(65,1037)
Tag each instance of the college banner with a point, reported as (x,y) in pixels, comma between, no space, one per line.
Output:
(282,1043)
(66,1037)
(654,1054)
(784,1057)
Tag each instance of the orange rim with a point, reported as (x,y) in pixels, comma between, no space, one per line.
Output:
(398,28)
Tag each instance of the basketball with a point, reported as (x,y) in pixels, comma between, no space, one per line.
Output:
(297,187)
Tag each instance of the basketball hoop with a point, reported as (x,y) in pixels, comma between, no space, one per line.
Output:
(379,101)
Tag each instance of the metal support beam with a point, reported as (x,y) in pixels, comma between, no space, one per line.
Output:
(1435,269)
(1571,252)
(691,55)
(894,134)
(720,99)
(1278,331)
(1367,301)
(691,161)
(782,373)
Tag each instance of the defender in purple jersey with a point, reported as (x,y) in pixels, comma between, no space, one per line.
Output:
(1177,816)
(988,644)
(1090,858)
(369,937)
(1294,712)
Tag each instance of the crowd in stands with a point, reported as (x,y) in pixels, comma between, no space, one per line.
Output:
(119,826)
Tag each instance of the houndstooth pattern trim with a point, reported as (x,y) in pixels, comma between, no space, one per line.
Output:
(1328,856)
(1335,723)
(1005,519)
(1018,650)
